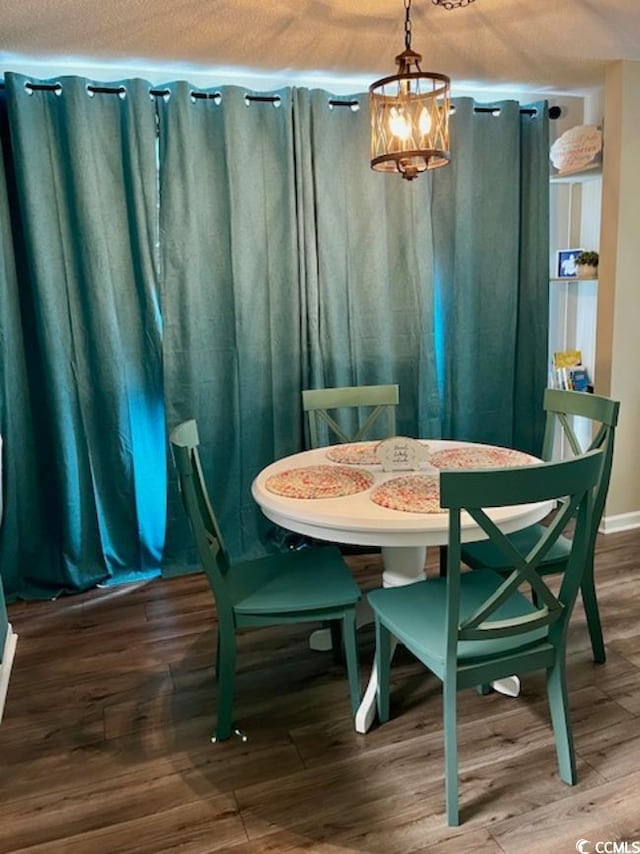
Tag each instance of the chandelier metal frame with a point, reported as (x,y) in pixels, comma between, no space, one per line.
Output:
(410,114)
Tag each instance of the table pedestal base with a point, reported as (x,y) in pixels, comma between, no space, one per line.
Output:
(320,639)
(402,565)
(405,565)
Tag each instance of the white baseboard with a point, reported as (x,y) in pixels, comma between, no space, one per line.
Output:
(5,665)
(620,522)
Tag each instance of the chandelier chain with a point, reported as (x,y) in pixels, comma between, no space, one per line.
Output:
(407,24)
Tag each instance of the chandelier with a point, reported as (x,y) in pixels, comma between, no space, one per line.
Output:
(410,112)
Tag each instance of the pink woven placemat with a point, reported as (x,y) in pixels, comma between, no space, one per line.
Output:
(479,458)
(360,454)
(417,493)
(319,482)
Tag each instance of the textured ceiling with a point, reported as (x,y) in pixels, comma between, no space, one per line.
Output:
(558,46)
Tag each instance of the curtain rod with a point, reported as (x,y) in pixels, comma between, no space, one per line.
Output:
(554,112)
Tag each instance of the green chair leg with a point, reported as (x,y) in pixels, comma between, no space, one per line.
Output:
(383,667)
(226,674)
(444,556)
(559,708)
(351,655)
(592,613)
(335,627)
(449,700)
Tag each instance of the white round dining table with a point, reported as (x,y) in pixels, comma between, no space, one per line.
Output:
(358,520)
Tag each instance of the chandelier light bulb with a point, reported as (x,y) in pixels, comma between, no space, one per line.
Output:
(399,124)
(424,123)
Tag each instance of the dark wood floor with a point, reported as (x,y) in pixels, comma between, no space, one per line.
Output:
(105,742)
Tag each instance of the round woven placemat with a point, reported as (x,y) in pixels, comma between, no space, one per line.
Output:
(319,482)
(479,458)
(360,454)
(417,493)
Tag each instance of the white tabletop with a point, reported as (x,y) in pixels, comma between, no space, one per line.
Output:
(356,519)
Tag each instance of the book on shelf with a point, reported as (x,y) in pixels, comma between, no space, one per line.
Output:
(579,378)
(567,358)
(568,371)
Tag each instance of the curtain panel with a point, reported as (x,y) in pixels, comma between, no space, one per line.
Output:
(24,541)
(365,263)
(490,214)
(84,166)
(210,254)
(230,295)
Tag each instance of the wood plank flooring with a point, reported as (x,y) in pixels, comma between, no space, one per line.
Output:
(104,747)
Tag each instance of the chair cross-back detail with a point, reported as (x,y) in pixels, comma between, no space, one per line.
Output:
(602,413)
(319,403)
(312,585)
(474,627)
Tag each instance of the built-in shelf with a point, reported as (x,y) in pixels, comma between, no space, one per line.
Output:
(569,279)
(589,173)
(575,199)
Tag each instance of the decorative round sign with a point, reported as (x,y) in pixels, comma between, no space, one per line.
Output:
(401,452)
(577,148)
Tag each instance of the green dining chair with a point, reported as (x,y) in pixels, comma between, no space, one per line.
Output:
(602,415)
(311,585)
(370,413)
(474,627)
(378,403)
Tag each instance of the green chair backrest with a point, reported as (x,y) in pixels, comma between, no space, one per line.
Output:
(318,403)
(213,556)
(570,482)
(603,413)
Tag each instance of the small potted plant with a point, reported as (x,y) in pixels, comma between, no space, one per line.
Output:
(587,265)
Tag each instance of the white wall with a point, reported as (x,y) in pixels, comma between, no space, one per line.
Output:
(618,340)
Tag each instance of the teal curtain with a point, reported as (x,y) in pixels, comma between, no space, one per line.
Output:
(490,210)
(531,357)
(366,263)
(230,295)
(210,254)
(25,546)
(86,191)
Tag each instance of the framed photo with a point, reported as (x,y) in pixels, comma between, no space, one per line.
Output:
(566,263)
